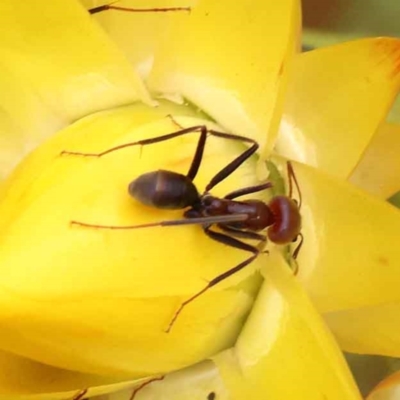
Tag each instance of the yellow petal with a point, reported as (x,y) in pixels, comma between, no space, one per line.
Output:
(353,329)
(195,383)
(388,389)
(379,169)
(337,98)
(231,59)
(110,295)
(22,378)
(57,66)
(350,255)
(284,352)
(137,34)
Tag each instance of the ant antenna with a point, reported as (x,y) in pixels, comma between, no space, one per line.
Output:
(292,178)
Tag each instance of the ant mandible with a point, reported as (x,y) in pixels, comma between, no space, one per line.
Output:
(237,219)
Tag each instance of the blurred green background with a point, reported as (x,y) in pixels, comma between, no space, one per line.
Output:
(328,22)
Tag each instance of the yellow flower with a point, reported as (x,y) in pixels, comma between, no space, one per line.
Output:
(86,309)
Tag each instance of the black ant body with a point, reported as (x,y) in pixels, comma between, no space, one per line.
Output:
(237,219)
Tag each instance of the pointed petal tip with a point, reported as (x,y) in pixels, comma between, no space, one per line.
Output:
(362,79)
(390,49)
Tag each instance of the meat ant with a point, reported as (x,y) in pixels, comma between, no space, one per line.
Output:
(237,219)
(110,6)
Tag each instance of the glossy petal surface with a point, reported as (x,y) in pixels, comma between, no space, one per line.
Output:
(336,100)
(283,352)
(353,329)
(337,219)
(138,34)
(115,291)
(22,378)
(57,66)
(379,169)
(231,59)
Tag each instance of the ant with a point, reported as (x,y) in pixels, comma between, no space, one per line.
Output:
(111,6)
(236,219)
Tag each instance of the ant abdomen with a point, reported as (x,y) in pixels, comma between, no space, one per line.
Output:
(287,223)
(164,189)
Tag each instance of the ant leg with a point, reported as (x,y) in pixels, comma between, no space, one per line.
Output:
(242,234)
(198,155)
(248,190)
(232,166)
(174,121)
(292,178)
(297,249)
(140,387)
(238,233)
(110,6)
(216,219)
(80,394)
(228,241)
(158,139)
(225,172)
(237,162)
